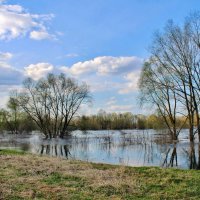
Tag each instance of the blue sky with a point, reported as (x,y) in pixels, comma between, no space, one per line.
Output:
(99,42)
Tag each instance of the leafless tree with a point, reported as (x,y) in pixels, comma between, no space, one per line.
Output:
(53,102)
(157,90)
(176,52)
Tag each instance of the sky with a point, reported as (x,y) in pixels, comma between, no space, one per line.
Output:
(102,43)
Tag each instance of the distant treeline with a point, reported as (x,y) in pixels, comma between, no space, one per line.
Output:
(18,122)
(118,121)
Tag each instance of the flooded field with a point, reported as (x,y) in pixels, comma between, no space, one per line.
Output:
(125,147)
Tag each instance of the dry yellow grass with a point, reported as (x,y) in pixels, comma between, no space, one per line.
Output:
(26,176)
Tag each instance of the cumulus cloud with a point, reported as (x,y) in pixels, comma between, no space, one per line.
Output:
(39,70)
(132,83)
(105,65)
(16,22)
(100,73)
(12,76)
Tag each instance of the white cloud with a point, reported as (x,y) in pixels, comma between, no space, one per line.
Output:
(124,83)
(120,108)
(39,70)
(132,84)
(68,55)
(87,109)
(12,76)
(16,22)
(71,55)
(111,101)
(100,71)
(5,56)
(104,65)
(101,84)
(40,35)
(112,106)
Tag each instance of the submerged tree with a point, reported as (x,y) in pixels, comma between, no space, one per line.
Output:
(174,72)
(53,102)
(156,89)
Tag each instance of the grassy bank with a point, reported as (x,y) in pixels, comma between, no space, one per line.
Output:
(26,176)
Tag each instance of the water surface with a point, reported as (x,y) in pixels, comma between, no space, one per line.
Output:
(125,147)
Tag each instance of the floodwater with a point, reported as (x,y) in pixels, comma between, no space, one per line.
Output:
(125,147)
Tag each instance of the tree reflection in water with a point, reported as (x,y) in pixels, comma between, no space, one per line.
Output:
(193,156)
(133,147)
(191,153)
(171,157)
(55,150)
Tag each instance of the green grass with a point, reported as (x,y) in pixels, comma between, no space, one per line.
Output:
(11,152)
(67,180)
(26,176)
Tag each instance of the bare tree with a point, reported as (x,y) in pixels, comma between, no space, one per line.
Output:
(176,52)
(53,102)
(157,90)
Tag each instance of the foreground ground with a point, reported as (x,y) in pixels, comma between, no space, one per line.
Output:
(26,176)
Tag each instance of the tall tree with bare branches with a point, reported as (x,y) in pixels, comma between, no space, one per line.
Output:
(175,56)
(53,102)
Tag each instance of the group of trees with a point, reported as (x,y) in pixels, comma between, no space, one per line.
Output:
(112,121)
(119,121)
(13,119)
(53,102)
(170,79)
(49,104)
